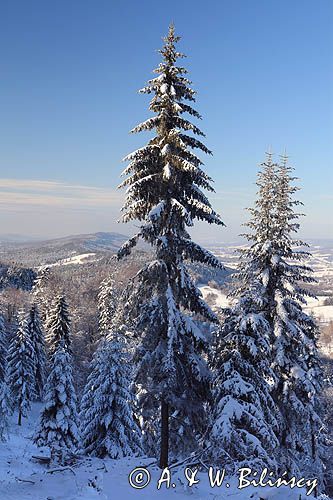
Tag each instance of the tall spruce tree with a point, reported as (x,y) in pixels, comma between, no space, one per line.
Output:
(58,325)
(273,265)
(107,304)
(3,348)
(107,423)
(5,403)
(39,291)
(164,192)
(5,409)
(295,355)
(255,264)
(245,418)
(21,369)
(58,423)
(37,339)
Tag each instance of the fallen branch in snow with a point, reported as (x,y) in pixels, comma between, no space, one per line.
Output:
(151,463)
(191,460)
(24,480)
(60,469)
(44,460)
(203,464)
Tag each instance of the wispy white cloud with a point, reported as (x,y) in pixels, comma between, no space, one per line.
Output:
(17,194)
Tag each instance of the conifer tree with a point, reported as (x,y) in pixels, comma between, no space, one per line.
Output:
(39,291)
(107,304)
(3,349)
(295,356)
(5,402)
(58,423)
(5,409)
(273,265)
(255,264)
(21,369)
(164,192)
(245,424)
(38,344)
(58,325)
(108,426)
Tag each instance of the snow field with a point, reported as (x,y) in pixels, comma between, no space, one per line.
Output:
(23,478)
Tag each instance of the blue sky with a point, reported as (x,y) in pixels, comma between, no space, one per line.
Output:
(70,71)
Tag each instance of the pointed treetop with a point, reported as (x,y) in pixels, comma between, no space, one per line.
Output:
(269,155)
(168,51)
(171,36)
(284,158)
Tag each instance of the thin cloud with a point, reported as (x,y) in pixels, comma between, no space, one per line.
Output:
(17,194)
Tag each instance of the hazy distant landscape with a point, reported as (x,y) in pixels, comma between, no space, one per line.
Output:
(95,251)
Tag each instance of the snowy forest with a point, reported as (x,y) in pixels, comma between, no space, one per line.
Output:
(126,364)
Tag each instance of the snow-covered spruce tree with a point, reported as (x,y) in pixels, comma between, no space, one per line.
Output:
(37,339)
(244,416)
(3,349)
(164,192)
(39,292)
(58,325)
(107,423)
(273,265)
(5,409)
(295,356)
(5,402)
(107,304)
(58,423)
(255,266)
(21,369)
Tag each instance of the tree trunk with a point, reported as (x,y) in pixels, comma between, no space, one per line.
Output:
(164,455)
(19,417)
(313,442)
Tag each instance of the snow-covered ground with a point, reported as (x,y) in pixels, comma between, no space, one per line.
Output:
(22,478)
(324,313)
(322,262)
(218,299)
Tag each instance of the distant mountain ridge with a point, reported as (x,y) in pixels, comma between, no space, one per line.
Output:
(102,241)
(17,238)
(105,240)
(35,253)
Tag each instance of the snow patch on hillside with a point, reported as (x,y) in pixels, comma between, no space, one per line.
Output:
(214,297)
(323,312)
(217,299)
(83,258)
